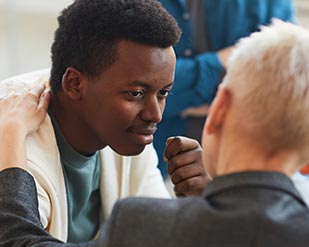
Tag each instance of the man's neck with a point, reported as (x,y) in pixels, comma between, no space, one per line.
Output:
(239,156)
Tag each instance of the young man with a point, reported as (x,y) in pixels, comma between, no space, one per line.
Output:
(112,70)
(251,142)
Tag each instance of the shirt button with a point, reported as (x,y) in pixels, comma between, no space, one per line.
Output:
(186,16)
(187,52)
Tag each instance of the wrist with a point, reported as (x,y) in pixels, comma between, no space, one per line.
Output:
(12,146)
(13,129)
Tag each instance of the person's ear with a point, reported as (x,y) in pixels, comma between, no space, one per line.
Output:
(72,83)
(218,110)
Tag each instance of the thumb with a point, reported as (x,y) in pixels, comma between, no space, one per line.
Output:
(168,140)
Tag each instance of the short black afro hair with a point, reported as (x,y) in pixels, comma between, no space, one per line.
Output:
(89,31)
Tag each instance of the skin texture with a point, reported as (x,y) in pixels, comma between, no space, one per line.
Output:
(122,106)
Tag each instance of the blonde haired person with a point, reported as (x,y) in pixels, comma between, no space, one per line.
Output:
(265,100)
(251,200)
(268,81)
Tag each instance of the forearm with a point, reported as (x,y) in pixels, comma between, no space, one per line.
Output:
(12,146)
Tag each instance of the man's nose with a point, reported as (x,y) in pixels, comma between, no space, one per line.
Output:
(152,111)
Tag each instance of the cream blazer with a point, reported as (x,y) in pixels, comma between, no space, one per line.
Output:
(121,176)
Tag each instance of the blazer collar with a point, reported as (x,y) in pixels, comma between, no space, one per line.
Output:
(271,180)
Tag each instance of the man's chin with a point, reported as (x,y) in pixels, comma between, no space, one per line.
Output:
(129,151)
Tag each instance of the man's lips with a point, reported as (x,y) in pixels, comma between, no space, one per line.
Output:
(143,130)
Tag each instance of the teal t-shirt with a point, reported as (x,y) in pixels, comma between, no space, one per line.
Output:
(82,178)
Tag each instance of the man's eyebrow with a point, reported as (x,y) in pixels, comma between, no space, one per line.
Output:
(139,83)
(146,85)
(169,85)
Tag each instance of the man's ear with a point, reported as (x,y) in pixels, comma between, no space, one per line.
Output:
(72,83)
(218,110)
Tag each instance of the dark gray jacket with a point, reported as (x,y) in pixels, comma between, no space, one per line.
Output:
(257,209)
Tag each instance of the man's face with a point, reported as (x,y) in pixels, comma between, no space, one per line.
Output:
(122,106)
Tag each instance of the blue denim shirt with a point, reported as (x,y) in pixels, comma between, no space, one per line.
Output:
(198,75)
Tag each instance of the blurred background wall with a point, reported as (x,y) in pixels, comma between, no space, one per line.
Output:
(27,27)
(26,34)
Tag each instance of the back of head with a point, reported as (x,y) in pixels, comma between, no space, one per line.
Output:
(89,31)
(269,77)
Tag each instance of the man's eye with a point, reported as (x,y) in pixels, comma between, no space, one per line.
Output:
(136,94)
(164,93)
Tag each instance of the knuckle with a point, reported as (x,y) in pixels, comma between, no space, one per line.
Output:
(196,143)
(174,180)
(200,169)
(169,170)
(192,186)
(177,140)
(174,163)
(199,149)
(189,185)
(178,188)
(180,174)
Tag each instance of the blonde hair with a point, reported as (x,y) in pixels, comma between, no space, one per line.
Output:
(269,77)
